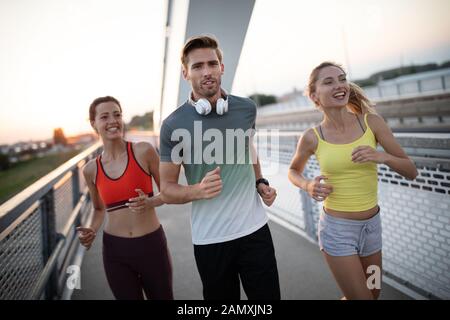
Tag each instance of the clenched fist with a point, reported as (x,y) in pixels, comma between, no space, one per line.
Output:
(211,185)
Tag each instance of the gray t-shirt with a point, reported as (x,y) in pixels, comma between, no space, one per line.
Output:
(202,143)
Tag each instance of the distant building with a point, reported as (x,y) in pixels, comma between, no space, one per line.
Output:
(82,139)
(4,149)
(288,102)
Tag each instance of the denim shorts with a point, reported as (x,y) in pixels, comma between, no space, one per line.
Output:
(346,237)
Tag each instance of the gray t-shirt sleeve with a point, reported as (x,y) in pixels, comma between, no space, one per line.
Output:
(165,143)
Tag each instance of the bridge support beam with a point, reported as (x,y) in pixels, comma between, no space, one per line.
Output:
(227,20)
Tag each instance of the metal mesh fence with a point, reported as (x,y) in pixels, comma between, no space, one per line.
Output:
(21,258)
(28,241)
(415,217)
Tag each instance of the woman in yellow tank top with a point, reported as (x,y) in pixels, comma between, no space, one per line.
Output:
(345,146)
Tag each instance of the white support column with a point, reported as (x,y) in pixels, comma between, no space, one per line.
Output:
(226,19)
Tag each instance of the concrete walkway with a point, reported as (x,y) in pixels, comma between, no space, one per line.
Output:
(302,269)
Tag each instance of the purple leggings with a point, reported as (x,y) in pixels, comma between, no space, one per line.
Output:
(133,265)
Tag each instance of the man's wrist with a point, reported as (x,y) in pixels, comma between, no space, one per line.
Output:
(196,194)
(262,180)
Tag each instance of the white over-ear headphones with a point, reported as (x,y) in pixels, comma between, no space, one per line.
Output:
(203,107)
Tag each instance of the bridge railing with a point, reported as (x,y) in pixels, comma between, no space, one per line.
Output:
(37,231)
(38,238)
(415,214)
(404,87)
(424,83)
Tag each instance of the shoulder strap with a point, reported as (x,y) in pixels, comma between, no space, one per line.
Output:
(132,157)
(365,120)
(97,160)
(359,121)
(98,169)
(317,133)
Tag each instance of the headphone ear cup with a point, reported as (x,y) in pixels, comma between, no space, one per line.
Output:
(225,106)
(203,106)
(221,106)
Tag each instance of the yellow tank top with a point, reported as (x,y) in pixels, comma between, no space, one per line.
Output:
(355,185)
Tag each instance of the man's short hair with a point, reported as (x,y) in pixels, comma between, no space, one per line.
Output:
(200,42)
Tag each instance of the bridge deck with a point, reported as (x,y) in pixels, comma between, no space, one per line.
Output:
(302,269)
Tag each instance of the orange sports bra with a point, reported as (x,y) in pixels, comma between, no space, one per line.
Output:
(115,193)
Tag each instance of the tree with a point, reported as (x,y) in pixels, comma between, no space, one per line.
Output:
(262,99)
(445,64)
(144,122)
(400,71)
(4,161)
(58,137)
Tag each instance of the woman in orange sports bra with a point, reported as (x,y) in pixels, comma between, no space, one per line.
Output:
(345,145)
(135,253)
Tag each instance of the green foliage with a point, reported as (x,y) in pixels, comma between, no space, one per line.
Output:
(21,175)
(144,122)
(445,64)
(262,99)
(4,161)
(401,71)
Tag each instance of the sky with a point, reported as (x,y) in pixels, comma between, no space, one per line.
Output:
(56,56)
(286,39)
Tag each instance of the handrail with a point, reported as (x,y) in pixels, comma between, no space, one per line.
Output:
(40,195)
(13,208)
(76,211)
(47,271)
(41,284)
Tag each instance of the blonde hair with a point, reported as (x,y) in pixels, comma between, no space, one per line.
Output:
(358,102)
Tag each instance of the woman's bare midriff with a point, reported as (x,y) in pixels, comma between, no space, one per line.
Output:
(128,224)
(357,215)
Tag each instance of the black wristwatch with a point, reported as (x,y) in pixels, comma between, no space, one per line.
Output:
(262,180)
